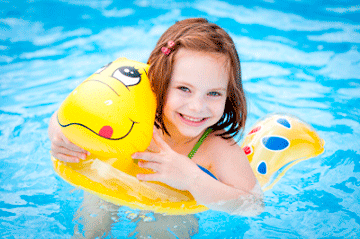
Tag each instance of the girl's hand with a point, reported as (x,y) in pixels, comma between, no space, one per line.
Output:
(61,147)
(171,168)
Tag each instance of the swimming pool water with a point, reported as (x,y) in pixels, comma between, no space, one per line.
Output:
(298,56)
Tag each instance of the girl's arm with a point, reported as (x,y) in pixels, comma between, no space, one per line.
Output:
(61,147)
(236,192)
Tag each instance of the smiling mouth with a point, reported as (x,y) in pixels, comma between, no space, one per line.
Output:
(192,119)
(105,132)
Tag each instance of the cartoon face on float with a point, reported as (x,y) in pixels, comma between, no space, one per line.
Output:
(111,114)
(277,143)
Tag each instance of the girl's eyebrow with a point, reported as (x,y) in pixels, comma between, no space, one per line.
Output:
(187,84)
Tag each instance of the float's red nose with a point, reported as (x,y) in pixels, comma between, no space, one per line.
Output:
(106,132)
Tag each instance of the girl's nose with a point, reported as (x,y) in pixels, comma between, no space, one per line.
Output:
(196,104)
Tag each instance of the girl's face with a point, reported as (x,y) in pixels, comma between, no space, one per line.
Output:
(197,92)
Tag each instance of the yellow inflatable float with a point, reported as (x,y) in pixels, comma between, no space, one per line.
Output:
(111,114)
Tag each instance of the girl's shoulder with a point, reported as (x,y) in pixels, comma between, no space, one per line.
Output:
(217,143)
(229,162)
(221,149)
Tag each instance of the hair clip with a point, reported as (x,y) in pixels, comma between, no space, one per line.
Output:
(171,44)
(167,50)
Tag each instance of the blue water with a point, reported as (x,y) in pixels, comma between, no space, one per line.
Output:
(298,57)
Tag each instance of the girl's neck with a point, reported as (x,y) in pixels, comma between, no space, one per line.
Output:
(176,140)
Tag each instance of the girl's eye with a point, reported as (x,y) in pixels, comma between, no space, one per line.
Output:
(183,88)
(214,93)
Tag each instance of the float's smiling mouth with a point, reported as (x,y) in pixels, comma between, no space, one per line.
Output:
(105,132)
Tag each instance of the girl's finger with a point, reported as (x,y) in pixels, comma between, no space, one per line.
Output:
(66,158)
(148,177)
(70,145)
(150,165)
(65,151)
(147,156)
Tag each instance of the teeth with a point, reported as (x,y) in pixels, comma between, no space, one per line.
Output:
(191,119)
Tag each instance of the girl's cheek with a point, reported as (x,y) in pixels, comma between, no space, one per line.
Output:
(174,95)
(179,98)
(219,106)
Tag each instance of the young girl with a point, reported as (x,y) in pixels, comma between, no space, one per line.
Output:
(195,74)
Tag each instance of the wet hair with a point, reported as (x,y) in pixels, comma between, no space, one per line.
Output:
(197,34)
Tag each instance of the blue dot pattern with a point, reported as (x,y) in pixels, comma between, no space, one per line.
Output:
(262,168)
(275,143)
(284,122)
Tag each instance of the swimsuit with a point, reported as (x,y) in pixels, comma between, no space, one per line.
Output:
(196,147)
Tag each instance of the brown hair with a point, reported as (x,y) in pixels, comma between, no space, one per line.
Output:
(198,34)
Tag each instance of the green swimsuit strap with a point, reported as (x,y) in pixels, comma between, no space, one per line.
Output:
(201,140)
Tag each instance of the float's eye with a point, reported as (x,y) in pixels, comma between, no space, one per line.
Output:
(275,143)
(102,68)
(284,122)
(262,168)
(128,75)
